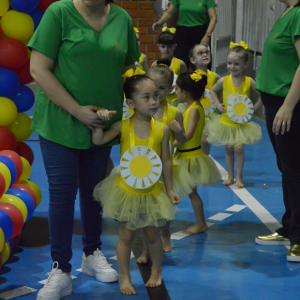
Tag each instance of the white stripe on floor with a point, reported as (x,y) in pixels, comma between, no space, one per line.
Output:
(220,216)
(24,290)
(236,208)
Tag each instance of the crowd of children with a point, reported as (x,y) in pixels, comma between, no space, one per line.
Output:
(171,118)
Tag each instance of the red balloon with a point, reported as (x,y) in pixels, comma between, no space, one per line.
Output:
(15,215)
(13,54)
(7,139)
(26,189)
(44,4)
(24,150)
(24,73)
(16,159)
(2,185)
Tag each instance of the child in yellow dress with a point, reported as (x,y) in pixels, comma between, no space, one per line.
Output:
(200,58)
(132,194)
(190,88)
(142,63)
(233,128)
(171,116)
(167,46)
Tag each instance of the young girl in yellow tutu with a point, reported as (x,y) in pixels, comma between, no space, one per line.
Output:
(190,88)
(142,63)
(172,117)
(167,46)
(132,194)
(234,128)
(200,58)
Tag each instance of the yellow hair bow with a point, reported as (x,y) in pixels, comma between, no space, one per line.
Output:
(196,76)
(172,30)
(129,73)
(136,30)
(241,44)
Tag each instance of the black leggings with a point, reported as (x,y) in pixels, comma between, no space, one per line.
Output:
(186,38)
(287,150)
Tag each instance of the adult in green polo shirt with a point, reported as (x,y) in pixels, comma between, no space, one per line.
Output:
(79,53)
(278,82)
(192,25)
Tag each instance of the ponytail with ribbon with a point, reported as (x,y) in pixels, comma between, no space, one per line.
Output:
(130,73)
(166,29)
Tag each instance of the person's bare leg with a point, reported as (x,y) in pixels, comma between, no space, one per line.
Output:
(110,166)
(205,145)
(156,251)
(166,237)
(197,204)
(240,159)
(230,165)
(143,259)
(123,256)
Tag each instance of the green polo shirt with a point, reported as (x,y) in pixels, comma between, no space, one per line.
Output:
(88,64)
(280,60)
(193,12)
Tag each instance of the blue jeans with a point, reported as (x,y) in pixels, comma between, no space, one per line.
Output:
(69,169)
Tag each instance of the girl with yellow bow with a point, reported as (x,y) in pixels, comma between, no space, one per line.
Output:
(133,194)
(233,128)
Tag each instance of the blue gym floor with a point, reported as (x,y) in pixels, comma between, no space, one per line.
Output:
(223,263)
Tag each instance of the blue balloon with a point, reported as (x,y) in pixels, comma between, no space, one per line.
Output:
(26,198)
(37,17)
(11,166)
(24,99)
(24,6)
(9,83)
(7,225)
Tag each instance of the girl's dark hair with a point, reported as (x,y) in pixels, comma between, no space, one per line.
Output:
(167,38)
(240,51)
(131,86)
(162,68)
(298,4)
(196,89)
(109,1)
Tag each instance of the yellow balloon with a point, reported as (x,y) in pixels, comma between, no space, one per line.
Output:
(5,253)
(20,127)
(4,6)
(17,25)
(26,169)
(8,111)
(6,174)
(34,188)
(2,239)
(17,202)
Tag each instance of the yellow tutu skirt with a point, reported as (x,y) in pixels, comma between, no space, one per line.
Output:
(207,120)
(136,210)
(232,135)
(183,181)
(202,168)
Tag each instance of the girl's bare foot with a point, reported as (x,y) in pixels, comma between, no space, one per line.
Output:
(143,259)
(166,240)
(229,181)
(197,228)
(155,279)
(240,183)
(126,287)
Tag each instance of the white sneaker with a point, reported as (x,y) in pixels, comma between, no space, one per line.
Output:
(58,285)
(96,266)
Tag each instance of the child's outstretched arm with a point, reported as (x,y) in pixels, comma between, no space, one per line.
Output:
(258,103)
(167,167)
(194,117)
(100,137)
(177,127)
(217,88)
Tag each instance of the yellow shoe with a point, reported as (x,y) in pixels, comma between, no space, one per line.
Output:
(273,239)
(293,254)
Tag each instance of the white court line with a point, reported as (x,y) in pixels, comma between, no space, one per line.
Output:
(220,216)
(236,208)
(265,217)
(24,290)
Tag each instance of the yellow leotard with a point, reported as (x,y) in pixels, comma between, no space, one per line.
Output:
(211,81)
(125,145)
(175,67)
(195,141)
(244,89)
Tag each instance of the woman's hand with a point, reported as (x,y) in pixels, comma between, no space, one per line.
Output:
(156,26)
(283,119)
(88,115)
(205,40)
